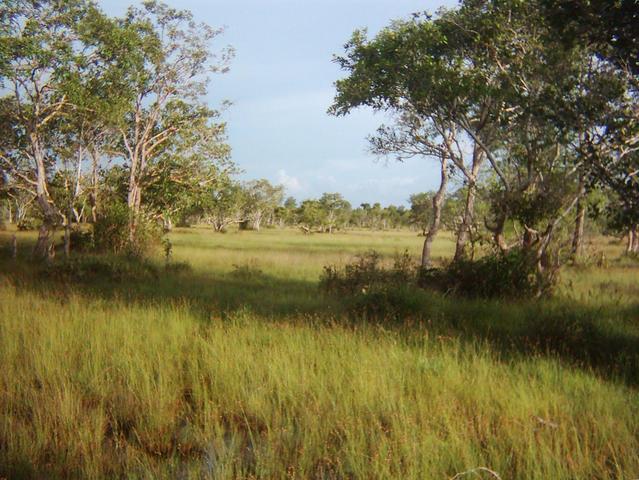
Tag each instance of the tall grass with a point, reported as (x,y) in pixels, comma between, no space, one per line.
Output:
(208,374)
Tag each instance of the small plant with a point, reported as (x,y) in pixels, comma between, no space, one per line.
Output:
(247,271)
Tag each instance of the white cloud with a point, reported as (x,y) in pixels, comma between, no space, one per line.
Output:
(292,184)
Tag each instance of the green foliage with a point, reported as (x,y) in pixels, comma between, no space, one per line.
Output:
(111,231)
(82,240)
(421,210)
(514,274)
(28,223)
(373,292)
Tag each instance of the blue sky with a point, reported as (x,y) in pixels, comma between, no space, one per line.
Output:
(281,83)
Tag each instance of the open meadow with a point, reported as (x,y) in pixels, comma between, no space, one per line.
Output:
(231,363)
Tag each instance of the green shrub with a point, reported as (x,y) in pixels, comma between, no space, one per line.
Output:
(111,231)
(367,273)
(248,271)
(82,240)
(373,292)
(509,275)
(27,224)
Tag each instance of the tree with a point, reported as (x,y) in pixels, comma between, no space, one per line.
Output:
(225,204)
(194,162)
(310,215)
(336,210)
(262,199)
(172,64)
(487,83)
(417,70)
(286,213)
(43,57)
(608,28)
(421,211)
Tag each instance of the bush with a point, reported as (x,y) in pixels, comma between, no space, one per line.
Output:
(367,273)
(82,240)
(373,292)
(111,231)
(247,272)
(510,275)
(27,224)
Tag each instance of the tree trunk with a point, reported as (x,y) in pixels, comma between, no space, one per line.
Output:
(67,239)
(578,234)
(631,241)
(93,196)
(635,239)
(257,222)
(498,234)
(44,244)
(469,209)
(134,197)
(133,202)
(438,200)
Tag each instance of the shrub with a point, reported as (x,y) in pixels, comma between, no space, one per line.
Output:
(367,273)
(111,231)
(27,224)
(82,240)
(247,272)
(504,275)
(373,292)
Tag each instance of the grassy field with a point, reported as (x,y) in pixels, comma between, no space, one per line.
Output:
(238,367)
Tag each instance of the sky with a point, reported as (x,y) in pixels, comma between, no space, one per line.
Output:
(280,85)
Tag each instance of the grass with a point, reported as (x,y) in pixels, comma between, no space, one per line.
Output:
(239,368)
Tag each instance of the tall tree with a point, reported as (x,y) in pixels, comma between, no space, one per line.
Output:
(173,63)
(43,54)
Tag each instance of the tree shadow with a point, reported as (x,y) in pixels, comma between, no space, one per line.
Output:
(603,340)
(134,282)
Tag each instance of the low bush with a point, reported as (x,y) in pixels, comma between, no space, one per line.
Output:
(373,292)
(510,275)
(368,273)
(82,240)
(111,231)
(248,271)
(27,224)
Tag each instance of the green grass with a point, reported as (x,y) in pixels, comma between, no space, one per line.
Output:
(239,368)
